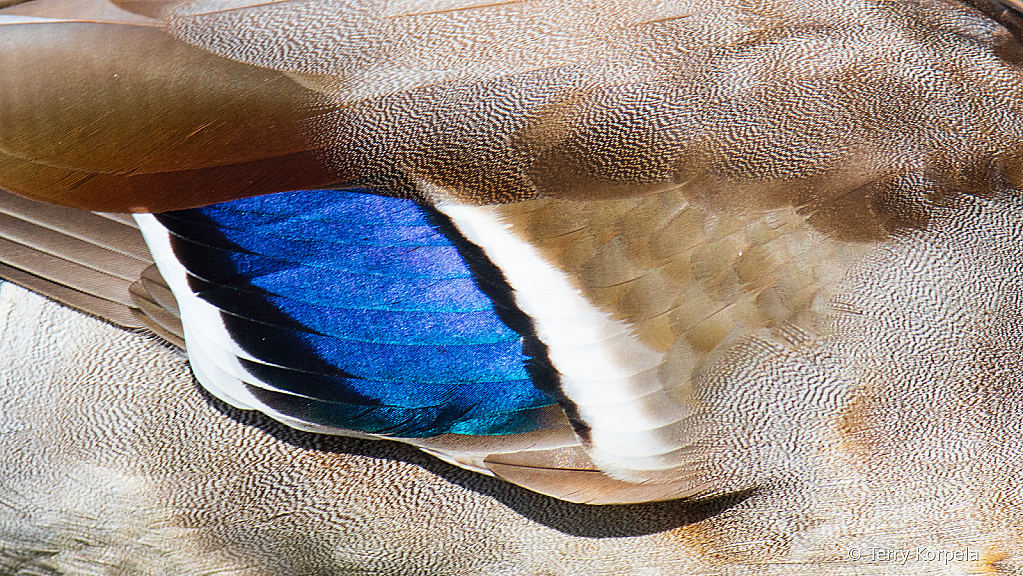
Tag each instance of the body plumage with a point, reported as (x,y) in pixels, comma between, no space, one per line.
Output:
(756,260)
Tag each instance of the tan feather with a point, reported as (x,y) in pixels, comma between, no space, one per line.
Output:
(102,230)
(77,261)
(229,129)
(115,312)
(157,290)
(158,314)
(568,474)
(96,263)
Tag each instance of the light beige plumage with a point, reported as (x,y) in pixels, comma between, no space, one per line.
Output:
(786,237)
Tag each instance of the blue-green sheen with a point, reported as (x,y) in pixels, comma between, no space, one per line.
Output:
(363,312)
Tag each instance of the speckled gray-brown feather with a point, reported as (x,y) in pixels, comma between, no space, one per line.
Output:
(712,174)
(822,105)
(807,103)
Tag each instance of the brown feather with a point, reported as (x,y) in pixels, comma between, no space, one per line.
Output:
(78,11)
(115,312)
(144,122)
(126,219)
(81,259)
(153,284)
(79,251)
(161,320)
(67,272)
(110,231)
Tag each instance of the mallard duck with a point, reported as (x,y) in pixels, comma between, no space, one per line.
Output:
(730,255)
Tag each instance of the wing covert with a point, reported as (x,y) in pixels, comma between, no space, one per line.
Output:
(352,311)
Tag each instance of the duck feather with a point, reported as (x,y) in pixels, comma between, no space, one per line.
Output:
(650,202)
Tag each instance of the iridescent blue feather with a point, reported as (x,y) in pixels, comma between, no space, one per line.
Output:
(364,312)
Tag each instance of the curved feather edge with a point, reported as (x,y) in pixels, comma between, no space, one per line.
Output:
(706,315)
(84,260)
(549,461)
(156,306)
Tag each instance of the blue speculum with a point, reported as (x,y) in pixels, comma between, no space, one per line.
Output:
(367,313)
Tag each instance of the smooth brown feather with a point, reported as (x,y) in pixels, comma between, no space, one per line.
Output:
(81,259)
(126,219)
(115,312)
(144,122)
(138,192)
(159,323)
(146,111)
(67,272)
(157,318)
(79,251)
(115,232)
(96,263)
(165,332)
(156,287)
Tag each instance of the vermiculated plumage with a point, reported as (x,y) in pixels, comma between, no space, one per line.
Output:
(525,237)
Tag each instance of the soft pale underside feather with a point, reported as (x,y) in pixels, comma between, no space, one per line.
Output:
(113,455)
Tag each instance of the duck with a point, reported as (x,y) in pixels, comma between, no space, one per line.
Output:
(754,259)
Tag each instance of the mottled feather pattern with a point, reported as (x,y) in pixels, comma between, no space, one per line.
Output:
(816,105)
(890,464)
(759,259)
(701,288)
(799,103)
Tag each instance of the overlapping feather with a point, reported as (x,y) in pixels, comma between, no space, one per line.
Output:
(690,183)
